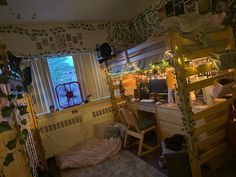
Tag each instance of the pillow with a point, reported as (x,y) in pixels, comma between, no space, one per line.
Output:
(100,129)
(112,131)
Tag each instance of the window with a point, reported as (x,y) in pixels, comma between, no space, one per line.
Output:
(62,70)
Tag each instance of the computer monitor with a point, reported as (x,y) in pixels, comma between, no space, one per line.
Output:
(158,86)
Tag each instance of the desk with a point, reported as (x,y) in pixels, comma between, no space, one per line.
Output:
(137,106)
(168,118)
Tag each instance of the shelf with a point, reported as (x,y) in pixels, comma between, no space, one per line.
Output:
(207,82)
(190,71)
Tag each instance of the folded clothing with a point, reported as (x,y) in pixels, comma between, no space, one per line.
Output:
(88,153)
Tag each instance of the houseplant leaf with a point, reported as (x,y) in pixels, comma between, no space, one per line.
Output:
(3,2)
(11,144)
(7,110)
(8,159)
(4,127)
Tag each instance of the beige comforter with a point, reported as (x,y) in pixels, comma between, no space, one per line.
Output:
(88,153)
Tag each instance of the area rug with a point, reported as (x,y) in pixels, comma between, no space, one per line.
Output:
(124,164)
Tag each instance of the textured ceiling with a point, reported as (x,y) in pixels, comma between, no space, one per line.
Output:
(43,11)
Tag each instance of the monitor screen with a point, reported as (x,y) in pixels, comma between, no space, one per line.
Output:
(158,86)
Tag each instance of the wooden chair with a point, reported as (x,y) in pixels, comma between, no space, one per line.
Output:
(138,128)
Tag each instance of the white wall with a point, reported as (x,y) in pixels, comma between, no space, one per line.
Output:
(56,138)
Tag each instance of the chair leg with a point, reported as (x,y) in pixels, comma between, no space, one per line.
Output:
(140,145)
(125,140)
(158,137)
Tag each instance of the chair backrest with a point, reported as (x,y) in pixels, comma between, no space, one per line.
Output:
(129,118)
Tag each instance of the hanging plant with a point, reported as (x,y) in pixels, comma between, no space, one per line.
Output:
(9,67)
(3,3)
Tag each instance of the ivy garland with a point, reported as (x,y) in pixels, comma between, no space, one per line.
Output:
(8,112)
(189,124)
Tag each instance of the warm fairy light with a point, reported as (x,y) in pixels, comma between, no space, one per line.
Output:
(176,47)
(179,61)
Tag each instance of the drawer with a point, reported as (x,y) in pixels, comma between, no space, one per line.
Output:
(146,108)
(170,115)
(168,129)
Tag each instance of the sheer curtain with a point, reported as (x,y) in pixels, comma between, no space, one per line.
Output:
(92,79)
(43,92)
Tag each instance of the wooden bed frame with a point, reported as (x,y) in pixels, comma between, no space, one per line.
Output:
(215,117)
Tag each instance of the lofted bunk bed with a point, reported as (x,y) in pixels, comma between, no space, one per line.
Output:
(203,124)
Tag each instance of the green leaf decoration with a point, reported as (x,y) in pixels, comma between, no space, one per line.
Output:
(22,110)
(23,136)
(3,3)
(4,127)
(8,159)
(7,110)
(11,97)
(24,122)
(11,144)
(2,94)
(19,88)
(19,96)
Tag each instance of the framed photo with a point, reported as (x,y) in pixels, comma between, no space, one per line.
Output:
(204,6)
(61,42)
(45,42)
(190,6)
(169,8)
(80,36)
(33,37)
(68,37)
(70,45)
(53,46)
(179,9)
(39,46)
(50,38)
(75,39)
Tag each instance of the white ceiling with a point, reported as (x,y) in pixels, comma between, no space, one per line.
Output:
(70,10)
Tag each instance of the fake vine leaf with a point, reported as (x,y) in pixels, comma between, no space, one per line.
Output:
(22,109)
(7,110)
(19,88)
(4,127)
(3,2)
(11,97)
(11,144)
(24,122)
(19,96)
(8,159)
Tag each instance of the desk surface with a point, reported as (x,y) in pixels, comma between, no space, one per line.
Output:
(141,106)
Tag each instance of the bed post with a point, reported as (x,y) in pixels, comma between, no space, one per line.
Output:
(185,105)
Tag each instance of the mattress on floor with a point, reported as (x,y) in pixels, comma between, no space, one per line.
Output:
(88,153)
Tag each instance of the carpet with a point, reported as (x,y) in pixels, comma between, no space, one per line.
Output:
(124,164)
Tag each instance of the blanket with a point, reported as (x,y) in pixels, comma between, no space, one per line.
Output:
(88,153)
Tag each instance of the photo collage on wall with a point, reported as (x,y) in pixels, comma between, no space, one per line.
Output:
(181,7)
(58,41)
